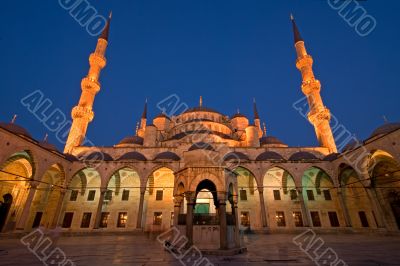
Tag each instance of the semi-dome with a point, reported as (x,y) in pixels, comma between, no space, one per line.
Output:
(269,155)
(48,146)
(385,129)
(271,140)
(236,156)
(302,155)
(96,156)
(133,155)
(132,140)
(167,156)
(201,109)
(16,129)
(162,115)
(201,146)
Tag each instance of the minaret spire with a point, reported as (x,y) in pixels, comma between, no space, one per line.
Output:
(319,116)
(257,121)
(296,32)
(256,116)
(144,114)
(201,101)
(82,114)
(143,121)
(106,31)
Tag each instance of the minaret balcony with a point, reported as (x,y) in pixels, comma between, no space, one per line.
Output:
(310,86)
(97,60)
(304,61)
(90,85)
(82,112)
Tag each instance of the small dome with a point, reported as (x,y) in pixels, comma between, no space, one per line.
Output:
(70,157)
(132,156)
(238,115)
(302,155)
(132,140)
(167,156)
(269,155)
(96,156)
(48,146)
(16,129)
(351,145)
(385,129)
(201,146)
(270,140)
(162,115)
(236,156)
(331,157)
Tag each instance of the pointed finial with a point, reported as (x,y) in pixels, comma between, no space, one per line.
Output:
(385,119)
(201,101)
(106,31)
(238,111)
(296,32)
(13,119)
(256,116)
(144,114)
(137,128)
(264,129)
(45,137)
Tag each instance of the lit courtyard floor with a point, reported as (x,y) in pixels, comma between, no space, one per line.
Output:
(274,249)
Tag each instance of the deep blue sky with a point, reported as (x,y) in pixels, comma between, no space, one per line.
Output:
(227,51)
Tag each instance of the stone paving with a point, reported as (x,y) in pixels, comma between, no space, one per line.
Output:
(263,249)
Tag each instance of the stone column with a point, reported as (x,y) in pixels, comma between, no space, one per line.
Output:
(56,218)
(99,208)
(378,212)
(237,223)
(189,217)
(223,225)
(28,203)
(304,208)
(342,202)
(262,206)
(177,209)
(140,211)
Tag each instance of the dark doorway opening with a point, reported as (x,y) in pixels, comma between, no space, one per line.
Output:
(5,207)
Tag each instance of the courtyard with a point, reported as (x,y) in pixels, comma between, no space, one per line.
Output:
(263,249)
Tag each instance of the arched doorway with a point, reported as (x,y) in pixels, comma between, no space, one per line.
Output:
(206,204)
(5,206)
(321,198)
(281,196)
(385,179)
(15,175)
(356,198)
(248,200)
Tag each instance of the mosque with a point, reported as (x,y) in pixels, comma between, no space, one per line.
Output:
(209,174)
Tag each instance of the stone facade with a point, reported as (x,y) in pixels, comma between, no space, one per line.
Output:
(162,175)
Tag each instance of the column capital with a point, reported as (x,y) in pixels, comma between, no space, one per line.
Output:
(189,195)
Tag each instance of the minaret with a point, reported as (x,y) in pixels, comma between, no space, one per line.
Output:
(257,122)
(82,114)
(143,121)
(319,116)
